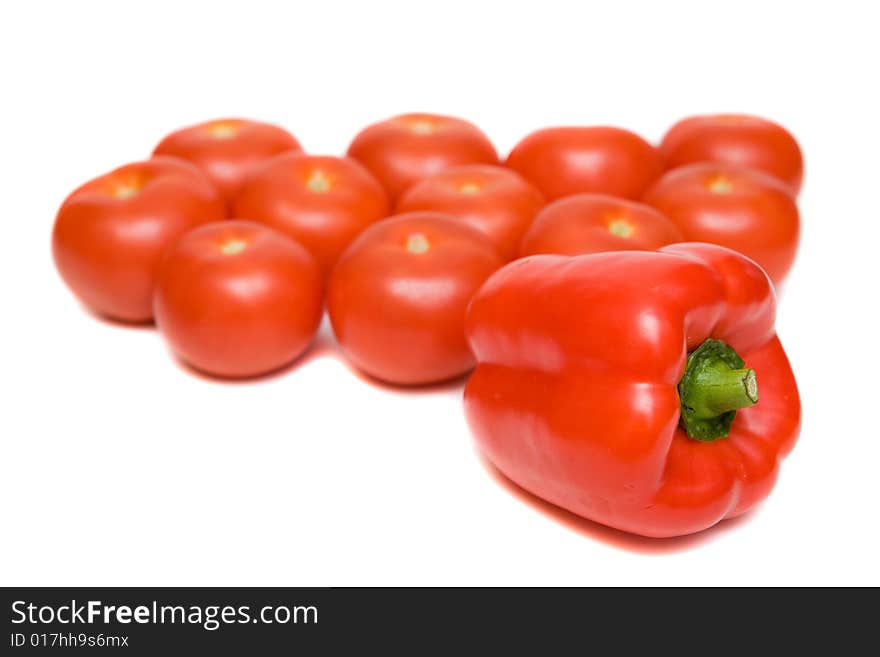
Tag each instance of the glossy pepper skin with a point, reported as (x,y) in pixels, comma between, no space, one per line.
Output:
(575,397)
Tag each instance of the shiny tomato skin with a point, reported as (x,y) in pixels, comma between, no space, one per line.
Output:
(593,223)
(572,160)
(743,209)
(402,150)
(398,295)
(110,233)
(227,149)
(495,200)
(238,299)
(738,140)
(322,202)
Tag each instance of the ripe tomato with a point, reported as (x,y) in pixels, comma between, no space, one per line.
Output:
(570,160)
(493,199)
(110,233)
(591,223)
(743,209)
(322,202)
(404,149)
(237,299)
(227,149)
(735,139)
(398,295)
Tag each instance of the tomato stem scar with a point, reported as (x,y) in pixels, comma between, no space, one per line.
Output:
(621,228)
(318,182)
(233,246)
(126,191)
(720,185)
(223,130)
(417,243)
(422,127)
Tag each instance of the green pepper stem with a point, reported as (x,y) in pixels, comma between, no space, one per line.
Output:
(722,389)
(714,386)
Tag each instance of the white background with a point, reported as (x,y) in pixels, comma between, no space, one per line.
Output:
(120,468)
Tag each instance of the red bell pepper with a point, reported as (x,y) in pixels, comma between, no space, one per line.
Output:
(646,391)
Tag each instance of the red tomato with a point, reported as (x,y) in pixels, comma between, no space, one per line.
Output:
(493,199)
(322,202)
(398,295)
(402,150)
(227,149)
(110,234)
(564,161)
(735,139)
(237,299)
(743,209)
(591,223)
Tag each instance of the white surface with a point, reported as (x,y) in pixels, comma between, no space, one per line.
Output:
(118,467)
